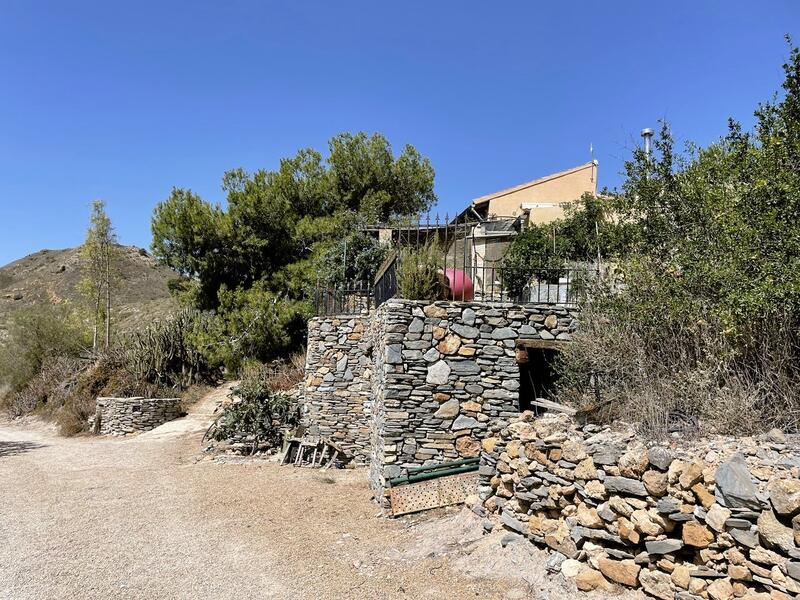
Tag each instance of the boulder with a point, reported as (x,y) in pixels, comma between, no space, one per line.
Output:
(696,534)
(657,583)
(784,494)
(625,572)
(660,457)
(734,485)
(774,534)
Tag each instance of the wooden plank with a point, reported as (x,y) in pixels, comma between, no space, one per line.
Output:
(553,406)
(542,344)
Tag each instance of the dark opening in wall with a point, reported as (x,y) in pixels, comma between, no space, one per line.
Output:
(537,376)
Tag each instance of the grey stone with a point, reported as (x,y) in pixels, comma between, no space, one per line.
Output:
(464,367)
(468,316)
(465,331)
(394,354)
(624,485)
(734,485)
(438,373)
(509,521)
(504,333)
(431,355)
(416,326)
(793,570)
(464,422)
(745,537)
(663,546)
(448,410)
(660,457)
(667,505)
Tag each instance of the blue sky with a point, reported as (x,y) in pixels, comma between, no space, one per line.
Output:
(122,101)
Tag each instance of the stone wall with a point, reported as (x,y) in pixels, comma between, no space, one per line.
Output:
(337,396)
(121,416)
(444,373)
(717,518)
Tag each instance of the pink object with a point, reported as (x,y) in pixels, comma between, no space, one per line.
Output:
(460,285)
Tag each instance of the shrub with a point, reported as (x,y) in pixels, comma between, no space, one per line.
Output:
(418,272)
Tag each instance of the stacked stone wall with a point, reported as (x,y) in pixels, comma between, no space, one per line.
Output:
(123,416)
(444,373)
(338,388)
(717,518)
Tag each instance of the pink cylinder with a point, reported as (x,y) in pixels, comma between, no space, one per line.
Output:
(460,285)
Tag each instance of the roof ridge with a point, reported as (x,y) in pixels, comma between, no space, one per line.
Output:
(520,186)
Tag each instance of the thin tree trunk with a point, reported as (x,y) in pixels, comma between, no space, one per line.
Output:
(96,318)
(108,296)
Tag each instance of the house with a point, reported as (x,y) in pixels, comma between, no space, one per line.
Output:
(541,200)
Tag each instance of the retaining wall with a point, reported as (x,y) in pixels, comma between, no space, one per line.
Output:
(121,416)
(718,518)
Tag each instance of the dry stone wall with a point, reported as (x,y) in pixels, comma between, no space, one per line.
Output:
(718,518)
(444,373)
(122,416)
(337,396)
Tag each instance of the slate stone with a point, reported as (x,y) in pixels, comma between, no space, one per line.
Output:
(416,326)
(464,367)
(468,316)
(504,333)
(606,455)
(512,523)
(438,373)
(660,457)
(464,422)
(663,546)
(394,354)
(624,485)
(734,485)
(431,355)
(745,537)
(667,505)
(465,331)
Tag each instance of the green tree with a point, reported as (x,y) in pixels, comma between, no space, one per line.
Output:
(100,259)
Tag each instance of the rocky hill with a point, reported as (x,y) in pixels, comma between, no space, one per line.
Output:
(53,276)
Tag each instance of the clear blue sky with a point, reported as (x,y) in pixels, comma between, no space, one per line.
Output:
(122,101)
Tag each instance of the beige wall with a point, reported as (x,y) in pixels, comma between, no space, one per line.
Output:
(550,191)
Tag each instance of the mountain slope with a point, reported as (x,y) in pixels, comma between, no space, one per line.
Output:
(53,276)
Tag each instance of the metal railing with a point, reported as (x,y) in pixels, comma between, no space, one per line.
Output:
(350,298)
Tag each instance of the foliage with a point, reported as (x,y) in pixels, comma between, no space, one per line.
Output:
(418,272)
(37,335)
(100,258)
(711,304)
(589,230)
(257,413)
(255,262)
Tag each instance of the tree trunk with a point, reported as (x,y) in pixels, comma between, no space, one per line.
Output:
(108,296)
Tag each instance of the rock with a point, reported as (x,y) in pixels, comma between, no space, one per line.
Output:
(696,534)
(588,517)
(595,490)
(720,589)
(554,561)
(509,521)
(784,494)
(668,505)
(633,463)
(571,567)
(465,331)
(746,538)
(438,373)
(739,572)
(619,505)
(625,572)
(776,435)
(692,473)
(464,422)
(655,483)
(796,527)
(793,570)
(642,521)
(466,367)
(716,517)
(449,345)
(468,316)
(433,311)
(660,457)
(680,576)
(667,546)
(551,321)
(606,455)
(468,447)
(774,534)
(704,497)
(657,583)
(448,410)
(504,333)
(589,579)
(766,557)
(734,486)
(586,470)
(489,444)
(573,451)
(624,485)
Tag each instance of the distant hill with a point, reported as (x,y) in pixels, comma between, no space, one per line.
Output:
(53,276)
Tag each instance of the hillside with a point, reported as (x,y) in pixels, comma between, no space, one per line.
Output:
(53,276)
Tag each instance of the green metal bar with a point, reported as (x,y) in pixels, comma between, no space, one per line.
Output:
(456,463)
(405,479)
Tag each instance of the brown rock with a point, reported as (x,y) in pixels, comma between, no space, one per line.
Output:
(551,321)
(657,583)
(625,572)
(796,528)
(627,531)
(716,517)
(655,482)
(473,406)
(466,351)
(634,462)
(573,451)
(691,474)
(489,444)
(433,311)
(681,575)
(585,469)
(467,446)
(588,517)
(739,572)
(589,579)
(774,534)
(642,521)
(439,332)
(720,589)
(784,494)
(595,490)
(704,497)
(449,345)
(696,534)
(441,397)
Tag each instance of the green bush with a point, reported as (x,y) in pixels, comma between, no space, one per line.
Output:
(419,272)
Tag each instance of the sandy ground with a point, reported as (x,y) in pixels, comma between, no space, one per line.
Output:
(149,517)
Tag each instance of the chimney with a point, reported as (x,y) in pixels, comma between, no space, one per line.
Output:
(647,134)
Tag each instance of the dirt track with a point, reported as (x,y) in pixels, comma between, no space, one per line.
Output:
(142,518)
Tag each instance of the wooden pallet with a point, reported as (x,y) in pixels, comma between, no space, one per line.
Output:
(424,495)
(313,452)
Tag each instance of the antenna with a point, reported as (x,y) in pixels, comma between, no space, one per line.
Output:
(647,134)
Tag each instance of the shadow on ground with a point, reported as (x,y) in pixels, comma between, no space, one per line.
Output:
(14,448)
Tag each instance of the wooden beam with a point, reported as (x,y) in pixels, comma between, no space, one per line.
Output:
(542,344)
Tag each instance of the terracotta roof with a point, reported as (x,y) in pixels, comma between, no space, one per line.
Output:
(528,184)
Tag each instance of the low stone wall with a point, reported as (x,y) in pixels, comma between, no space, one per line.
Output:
(444,373)
(121,416)
(719,518)
(337,396)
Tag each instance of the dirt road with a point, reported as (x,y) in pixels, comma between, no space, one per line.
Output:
(144,518)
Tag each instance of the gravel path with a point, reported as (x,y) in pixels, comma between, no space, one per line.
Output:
(145,517)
